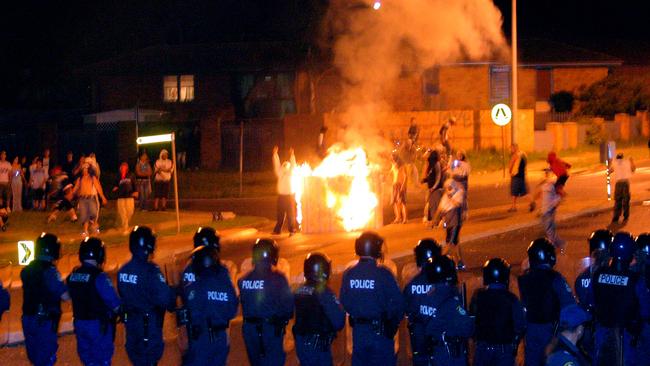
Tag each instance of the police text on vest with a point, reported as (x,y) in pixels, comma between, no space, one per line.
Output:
(252,285)
(128,278)
(363,284)
(610,279)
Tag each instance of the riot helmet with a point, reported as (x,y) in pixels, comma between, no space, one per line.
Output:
(266,249)
(92,249)
(206,236)
(643,243)
(622,248)
(496,271)
(441,270)
(317,268)
(47,247)
(369,244)
(204,257)
(142,241)
(600,239)
(426,248)
(541,252)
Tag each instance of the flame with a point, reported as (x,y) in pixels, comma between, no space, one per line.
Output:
(347,183)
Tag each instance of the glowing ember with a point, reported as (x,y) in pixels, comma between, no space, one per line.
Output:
(346,176)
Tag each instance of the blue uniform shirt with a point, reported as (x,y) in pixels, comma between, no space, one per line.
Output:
(211,298)
(369,290)
(566,354)
(106,291)
(265,293)
(444,313)
(143,288)
(413,292)
(584,290)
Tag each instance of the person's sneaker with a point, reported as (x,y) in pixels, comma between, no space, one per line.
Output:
(460,266)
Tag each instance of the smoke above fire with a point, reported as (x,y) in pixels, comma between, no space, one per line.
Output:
(373,48)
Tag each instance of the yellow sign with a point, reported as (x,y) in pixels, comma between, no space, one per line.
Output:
(501,114)
(25,252)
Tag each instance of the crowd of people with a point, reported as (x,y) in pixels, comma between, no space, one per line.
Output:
(605,323)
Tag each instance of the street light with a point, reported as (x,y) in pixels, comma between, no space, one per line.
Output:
(376,5)
(169,137)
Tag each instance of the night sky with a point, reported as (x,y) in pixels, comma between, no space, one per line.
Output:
(42,40)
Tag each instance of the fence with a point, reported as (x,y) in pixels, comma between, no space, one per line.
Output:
(259,137)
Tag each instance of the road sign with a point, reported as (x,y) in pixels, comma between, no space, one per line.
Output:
(501,114)
(25,252)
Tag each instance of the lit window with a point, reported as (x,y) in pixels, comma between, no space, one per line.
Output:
(178,88)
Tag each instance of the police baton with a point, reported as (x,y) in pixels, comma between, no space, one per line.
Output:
(620,346)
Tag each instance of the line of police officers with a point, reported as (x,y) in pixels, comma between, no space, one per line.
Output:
(610,292)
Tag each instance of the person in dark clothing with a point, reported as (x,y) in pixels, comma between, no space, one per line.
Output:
(433,178)
(69,164)
(126,195)
(518,186)
(564,349)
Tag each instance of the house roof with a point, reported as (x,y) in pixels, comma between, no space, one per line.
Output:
(196,58)
(540,52)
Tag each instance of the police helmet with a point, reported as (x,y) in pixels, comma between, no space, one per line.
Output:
(142,241)
(47,247)
(540,252)
(622,248)
(369,244)
(426,248)
(441,269)
(206,236)
(643,243)
(92,249)
(600,239)
(266,249)
(203,257)
(496,270)
(317,267)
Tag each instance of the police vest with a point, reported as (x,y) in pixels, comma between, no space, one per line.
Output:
(494,319)
(615,297)
(86,302)
(310,315)
(35,293)
(542,303)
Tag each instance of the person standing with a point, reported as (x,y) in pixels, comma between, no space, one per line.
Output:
(43,291)
(46,162)
(17,183)
(400,179)
(126,193)
(500,317)
(145,298)
(286,205)
(460,170)
(68,165)
(267,306)
(5,179)
(37,181)
(204,236)
(95,305)
(319,315)
(432,174)
(211,303)
(413,131)
(642,268)
(564,349)
(414,291)
(617,293)
(448,326)
(550,201)
(623,169)
(143,179)
(89,190)
(371,297)
(518,186)
(544,293)
(163,169)
(451,210)
(444,134)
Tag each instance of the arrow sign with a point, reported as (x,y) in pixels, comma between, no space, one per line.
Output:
(501,114)
(25,252)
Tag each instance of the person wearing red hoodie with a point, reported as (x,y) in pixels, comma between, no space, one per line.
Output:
(561,170)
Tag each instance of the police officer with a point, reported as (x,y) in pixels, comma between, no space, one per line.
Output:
(145,297)
(210,303)
(267,306)
(500,317)
(374,303)
(95,304)
(43,290)
(617,312)
(544,292)
(565,350)
(642,267)
(417,288)
(319,315)
(599,242)
(447,324)
(204,236)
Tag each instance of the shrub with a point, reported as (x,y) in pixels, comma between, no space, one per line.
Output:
(562,101)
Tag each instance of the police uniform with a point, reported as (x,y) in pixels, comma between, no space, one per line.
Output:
(642,267)
(145,297)
(93,301)
(500,322)
(267,306)
(414,292)
(212,303)
(43,289)
(564,352)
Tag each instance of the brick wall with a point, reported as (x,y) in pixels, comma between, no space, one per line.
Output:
(464,87)
(527,88)
(573,79)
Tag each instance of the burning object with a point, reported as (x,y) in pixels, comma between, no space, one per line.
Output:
(342,193)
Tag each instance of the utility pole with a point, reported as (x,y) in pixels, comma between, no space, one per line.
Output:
(515,115)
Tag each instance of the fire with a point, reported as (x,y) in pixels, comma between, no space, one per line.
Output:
(346,175)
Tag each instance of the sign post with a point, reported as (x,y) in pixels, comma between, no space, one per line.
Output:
(501,116)
(170,137)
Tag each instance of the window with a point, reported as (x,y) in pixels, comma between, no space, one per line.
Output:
(499,84)
(431,81)
(178,88)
